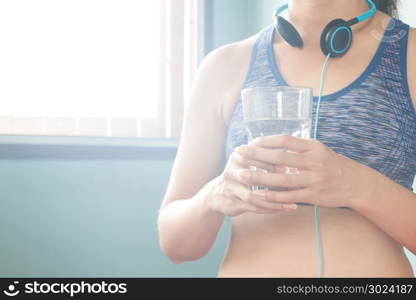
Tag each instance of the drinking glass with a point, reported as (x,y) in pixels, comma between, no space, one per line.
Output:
(274,110)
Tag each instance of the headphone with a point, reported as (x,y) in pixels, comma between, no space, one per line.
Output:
(336,38)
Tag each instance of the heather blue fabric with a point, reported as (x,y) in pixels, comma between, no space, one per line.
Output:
(372,120)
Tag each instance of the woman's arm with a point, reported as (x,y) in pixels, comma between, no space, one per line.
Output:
(187,226)
(393,207)
(411,64)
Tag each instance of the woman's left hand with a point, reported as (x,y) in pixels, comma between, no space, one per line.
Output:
(324,177)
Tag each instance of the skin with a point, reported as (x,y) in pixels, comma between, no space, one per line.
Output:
(268,238)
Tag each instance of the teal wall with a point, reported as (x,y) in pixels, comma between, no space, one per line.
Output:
(264,11)
(231,21)
(234,20)
(89,219)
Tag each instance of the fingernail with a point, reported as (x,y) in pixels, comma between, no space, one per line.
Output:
(245,174)
(290,206)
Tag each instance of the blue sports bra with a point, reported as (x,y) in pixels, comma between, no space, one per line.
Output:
(372,120)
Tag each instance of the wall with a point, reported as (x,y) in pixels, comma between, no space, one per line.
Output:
(235,20)
(408,12)
(227,21)
(264,11)
(88,218)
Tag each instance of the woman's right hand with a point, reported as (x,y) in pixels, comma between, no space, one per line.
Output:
(230,196)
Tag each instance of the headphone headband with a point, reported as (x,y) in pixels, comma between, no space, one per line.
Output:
(369,13)
(336,38)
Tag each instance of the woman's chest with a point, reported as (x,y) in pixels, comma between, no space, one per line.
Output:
(303,68)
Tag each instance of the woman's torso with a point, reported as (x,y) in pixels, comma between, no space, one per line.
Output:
(378,100)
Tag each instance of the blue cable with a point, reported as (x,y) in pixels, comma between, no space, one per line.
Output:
(318,235)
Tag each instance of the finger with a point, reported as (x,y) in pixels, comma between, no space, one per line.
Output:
(272,205)
(247,196)
(274,156)
(284,141)
(233,174)
(303,178)
(294,196)
(257,210)
(242,192)
(244,162)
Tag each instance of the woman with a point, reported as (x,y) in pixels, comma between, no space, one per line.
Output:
(363,159)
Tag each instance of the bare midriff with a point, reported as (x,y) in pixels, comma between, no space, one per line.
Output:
(284,245)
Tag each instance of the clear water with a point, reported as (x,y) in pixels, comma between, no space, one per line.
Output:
(300,128)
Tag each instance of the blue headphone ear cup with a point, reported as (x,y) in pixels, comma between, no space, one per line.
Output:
(336,38)
(331,25)
(340,40)
(289,33)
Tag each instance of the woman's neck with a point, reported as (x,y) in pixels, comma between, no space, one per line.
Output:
(311,16)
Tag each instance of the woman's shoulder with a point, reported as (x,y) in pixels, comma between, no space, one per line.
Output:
(219,77)
(225,59)
(221,74)
(229,63)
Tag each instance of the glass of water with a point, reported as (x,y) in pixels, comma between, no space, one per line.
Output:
(273,110)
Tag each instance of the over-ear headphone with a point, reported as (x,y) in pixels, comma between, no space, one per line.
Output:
(336,38)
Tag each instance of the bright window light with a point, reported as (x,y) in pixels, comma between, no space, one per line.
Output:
(79,58)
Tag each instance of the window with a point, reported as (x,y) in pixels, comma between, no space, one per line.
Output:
(96,67)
